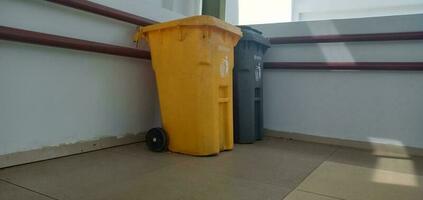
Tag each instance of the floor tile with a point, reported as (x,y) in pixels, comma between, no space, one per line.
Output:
(308,149)
(140,150)
(268,169)
(12,192)
(75,176)
(385,161)
(186,182)
(278,162)
(352,182)
(301,195)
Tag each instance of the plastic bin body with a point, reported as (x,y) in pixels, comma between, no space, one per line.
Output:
(193,63)
(248,86)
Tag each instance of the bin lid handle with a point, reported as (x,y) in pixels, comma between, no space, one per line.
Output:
(139,36)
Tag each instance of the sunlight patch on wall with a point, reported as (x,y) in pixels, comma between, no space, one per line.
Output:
(333,52)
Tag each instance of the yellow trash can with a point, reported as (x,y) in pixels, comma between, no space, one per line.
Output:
(193,63)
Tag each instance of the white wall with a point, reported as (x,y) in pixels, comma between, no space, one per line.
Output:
(159,10)
(232,11)
(186,7)
(377,106)
(304,10)
(50,96)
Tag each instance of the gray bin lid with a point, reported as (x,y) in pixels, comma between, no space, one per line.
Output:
(254,35)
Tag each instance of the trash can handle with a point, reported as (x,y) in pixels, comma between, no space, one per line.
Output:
(139,36)
(181,36)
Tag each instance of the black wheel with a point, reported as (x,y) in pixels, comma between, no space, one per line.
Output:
(156,140)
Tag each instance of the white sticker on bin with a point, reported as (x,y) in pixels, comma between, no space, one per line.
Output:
(223,48)
(224,67)
(259,68)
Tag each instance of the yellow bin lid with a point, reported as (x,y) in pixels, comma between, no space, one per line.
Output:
(201,20)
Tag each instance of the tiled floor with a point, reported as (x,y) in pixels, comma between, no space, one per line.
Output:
(270,169)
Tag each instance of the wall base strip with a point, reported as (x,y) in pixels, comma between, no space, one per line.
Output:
(46,153)
(377,148)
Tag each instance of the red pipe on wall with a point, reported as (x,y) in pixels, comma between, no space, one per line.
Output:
(19,35)
(348,38)
(105,11)
(71,43)
(392,66)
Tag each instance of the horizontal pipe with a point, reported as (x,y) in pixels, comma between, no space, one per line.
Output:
(105,11)
(138,20)
(393,66)
(19,35)
(348,38)
(13,34)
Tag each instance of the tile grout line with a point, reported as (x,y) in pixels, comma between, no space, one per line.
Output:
(336,148)
(333,153)
(25,188)
(323,195)
(214,173)
(150,159)
(116,153)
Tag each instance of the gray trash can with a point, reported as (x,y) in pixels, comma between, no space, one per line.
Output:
(248,92)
